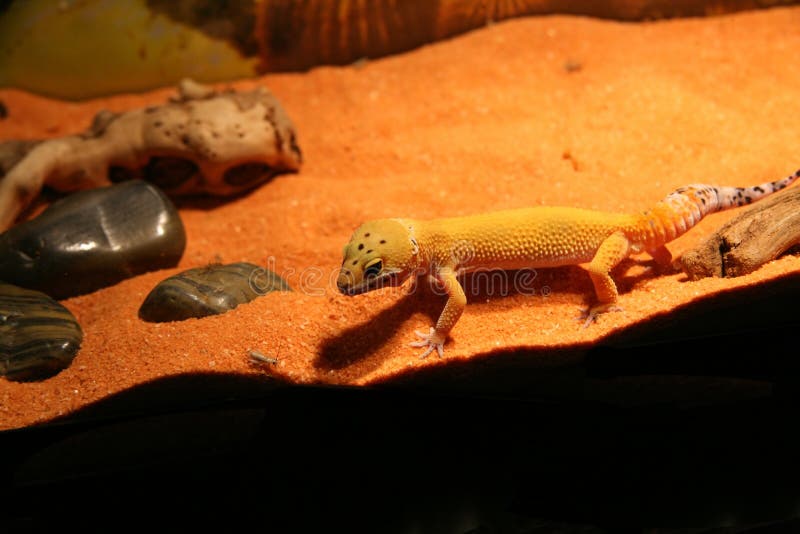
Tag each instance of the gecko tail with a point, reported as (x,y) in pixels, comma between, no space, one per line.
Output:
(686,206)
(710,198)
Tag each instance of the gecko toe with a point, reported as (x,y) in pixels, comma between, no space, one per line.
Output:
(590,315)
(422,335)
(429,342)
(426,353)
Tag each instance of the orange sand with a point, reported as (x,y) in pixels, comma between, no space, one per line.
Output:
(540,111)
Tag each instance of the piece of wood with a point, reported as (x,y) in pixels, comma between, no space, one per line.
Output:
(758,235)
(202,141)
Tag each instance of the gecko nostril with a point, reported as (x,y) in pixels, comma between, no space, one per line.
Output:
(343,282)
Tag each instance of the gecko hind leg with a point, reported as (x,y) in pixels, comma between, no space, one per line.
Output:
(612,251)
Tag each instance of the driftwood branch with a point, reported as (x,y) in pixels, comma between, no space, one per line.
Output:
(760,234)
(201,141)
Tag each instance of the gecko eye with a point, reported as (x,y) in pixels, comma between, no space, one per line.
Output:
(373,269)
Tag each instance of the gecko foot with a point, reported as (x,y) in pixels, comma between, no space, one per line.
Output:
(590,315)
(430,341)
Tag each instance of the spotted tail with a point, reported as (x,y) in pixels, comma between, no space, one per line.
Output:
(684,207)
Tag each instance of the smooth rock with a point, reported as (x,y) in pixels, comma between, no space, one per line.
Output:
(93,239)
(38,336)
(208,290)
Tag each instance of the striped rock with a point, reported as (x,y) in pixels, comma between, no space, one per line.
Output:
(38,336)
(210,290)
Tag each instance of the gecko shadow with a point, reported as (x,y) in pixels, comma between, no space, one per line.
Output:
(487,286)
(359,341)
(363,339)
(731,347)
(627,282)
(482,288)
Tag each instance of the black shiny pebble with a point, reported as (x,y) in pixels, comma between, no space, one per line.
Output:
(93,239)
(38,336)
(208,290)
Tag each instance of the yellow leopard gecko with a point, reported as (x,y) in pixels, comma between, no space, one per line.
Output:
(386,252)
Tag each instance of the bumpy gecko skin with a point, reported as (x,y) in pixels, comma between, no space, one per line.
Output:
(387,252)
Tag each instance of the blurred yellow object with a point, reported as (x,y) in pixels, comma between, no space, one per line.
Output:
(85,48)
(77,49)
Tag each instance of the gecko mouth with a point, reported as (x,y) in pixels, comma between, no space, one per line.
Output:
(383,280)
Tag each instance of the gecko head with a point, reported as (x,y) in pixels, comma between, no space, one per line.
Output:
(381,253)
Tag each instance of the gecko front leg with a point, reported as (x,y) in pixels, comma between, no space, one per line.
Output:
(456,302)
(431,340)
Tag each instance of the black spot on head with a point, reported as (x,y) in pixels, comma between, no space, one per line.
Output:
(366,235)
(369,251)
(361,246)
(383,241)
(355,262)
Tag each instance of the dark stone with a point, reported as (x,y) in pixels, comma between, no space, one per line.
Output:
(38,336)
(93,239)
(211,290)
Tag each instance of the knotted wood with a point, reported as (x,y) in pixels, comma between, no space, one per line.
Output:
(758,235)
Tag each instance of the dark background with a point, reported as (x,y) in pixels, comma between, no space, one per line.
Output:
(698,433)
